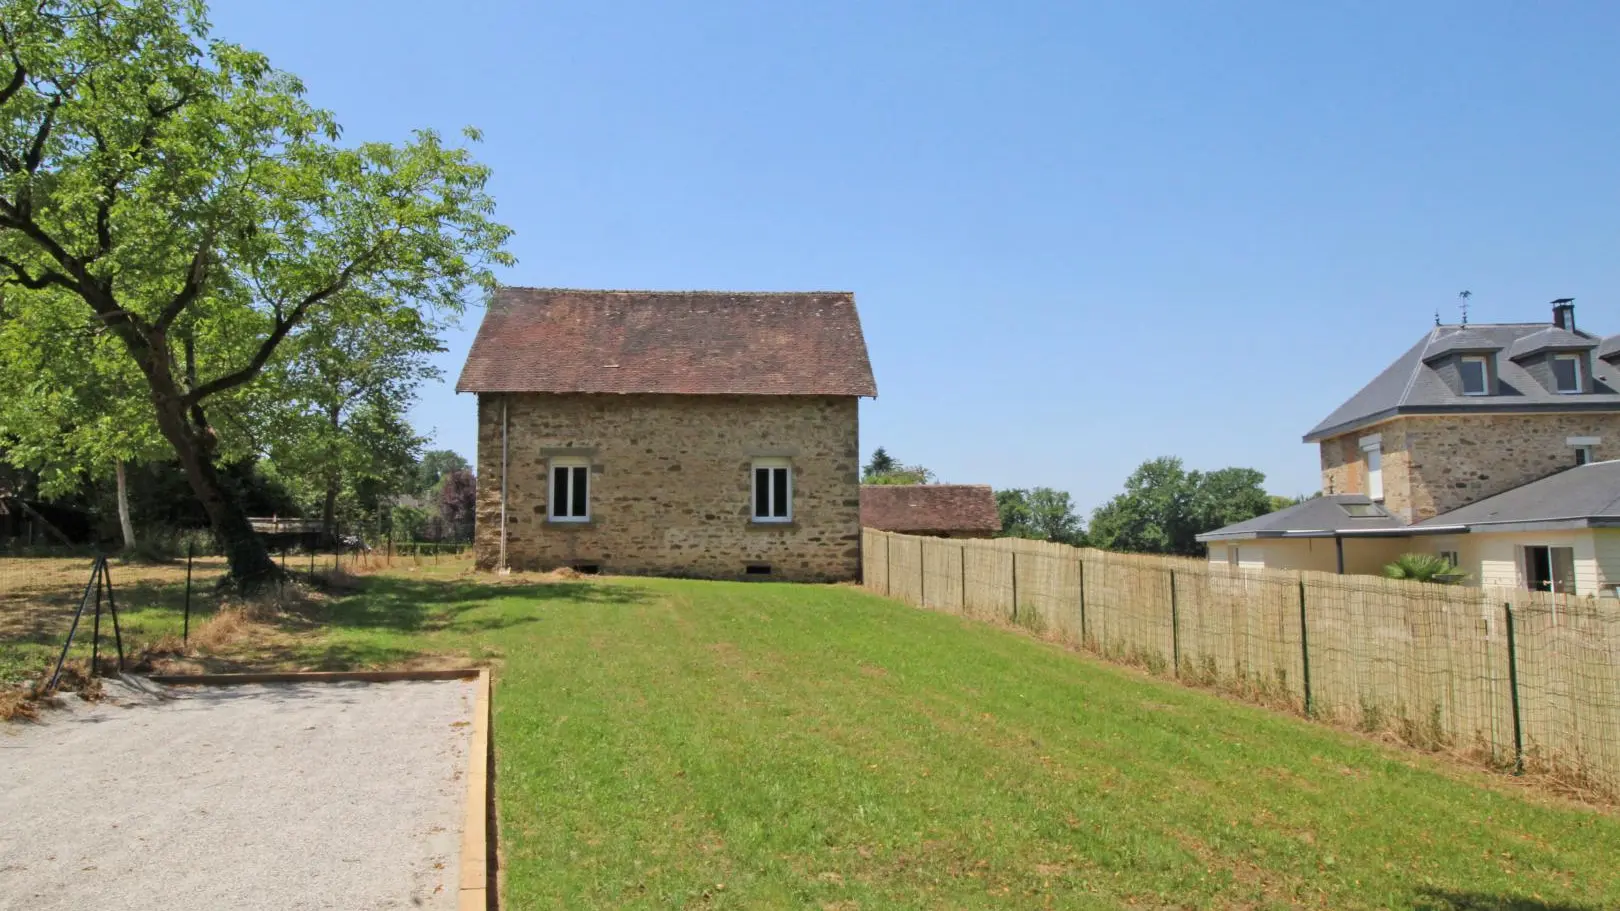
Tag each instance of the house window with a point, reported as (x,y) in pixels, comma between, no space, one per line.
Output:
(1584,448)
(1373,449)
(1550,569)
(1232,555)
(1475,375)
(1452,557)
(1583,455)
(773,490)
(1566,369)
(570,490)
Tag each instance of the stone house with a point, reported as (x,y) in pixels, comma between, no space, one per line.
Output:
(1481,443)
(708,434)
(936,510)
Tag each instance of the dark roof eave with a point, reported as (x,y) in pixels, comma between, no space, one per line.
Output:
(1403,531)
(1469,408)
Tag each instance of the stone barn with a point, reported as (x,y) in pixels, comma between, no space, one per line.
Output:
(690,433)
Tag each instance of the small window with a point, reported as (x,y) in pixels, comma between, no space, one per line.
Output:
(1583,455)
(570,490)
(757,569)
(1475,375)
(1566,369)
(1232,555)
(773,490)
(1375,472)
(1363,510)
(1451,556)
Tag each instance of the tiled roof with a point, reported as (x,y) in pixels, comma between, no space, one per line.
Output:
(929,507)
(1412,385)
(683,342)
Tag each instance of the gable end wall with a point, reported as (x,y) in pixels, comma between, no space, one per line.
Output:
(670,483)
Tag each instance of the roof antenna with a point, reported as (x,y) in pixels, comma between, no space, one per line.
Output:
(1465,295)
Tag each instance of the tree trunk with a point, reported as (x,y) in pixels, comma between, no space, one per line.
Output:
(124,524)
(249,560)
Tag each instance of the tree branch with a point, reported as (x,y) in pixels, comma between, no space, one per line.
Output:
(279,331)
(36,282)
(196,273)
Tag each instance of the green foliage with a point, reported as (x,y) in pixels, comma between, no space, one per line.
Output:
(178,204)
(433,466)
(885,469)
(1424,568)
(1165,506)
(409,522)
(882,463)
(1042,513)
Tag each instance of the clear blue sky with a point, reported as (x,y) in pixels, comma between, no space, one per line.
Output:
(1080,235)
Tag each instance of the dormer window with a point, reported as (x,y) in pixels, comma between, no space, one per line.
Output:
(1566,371)
(1475,375)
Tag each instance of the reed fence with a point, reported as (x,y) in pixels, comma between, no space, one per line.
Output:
(1524,679)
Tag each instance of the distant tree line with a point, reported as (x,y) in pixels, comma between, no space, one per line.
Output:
(1162,510)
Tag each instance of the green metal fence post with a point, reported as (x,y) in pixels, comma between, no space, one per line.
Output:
(1175,627)
(1513,686)
(1082,562)
(1305,653)
(1015,586)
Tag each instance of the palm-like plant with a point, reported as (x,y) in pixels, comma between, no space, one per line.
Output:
(1424,568)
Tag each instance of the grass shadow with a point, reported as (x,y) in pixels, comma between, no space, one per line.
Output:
(1447,900)
(423,605)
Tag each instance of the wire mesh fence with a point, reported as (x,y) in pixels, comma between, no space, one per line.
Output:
(160,603)
(1518,677)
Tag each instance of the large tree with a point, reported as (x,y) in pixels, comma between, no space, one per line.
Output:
(187,201)
(885,469)
(1164,507)
(1042,513)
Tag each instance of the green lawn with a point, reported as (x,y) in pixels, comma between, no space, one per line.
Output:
(673,743)
(667,743)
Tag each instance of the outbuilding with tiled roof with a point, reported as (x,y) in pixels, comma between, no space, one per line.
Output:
(693,433)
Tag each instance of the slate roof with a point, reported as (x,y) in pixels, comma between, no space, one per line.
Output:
(1578,497)
(1551,338)
(929,507)
(682,342)
(1412,386)
(1319,517)
(1610,347)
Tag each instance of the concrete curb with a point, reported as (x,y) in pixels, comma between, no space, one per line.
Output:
(475,890)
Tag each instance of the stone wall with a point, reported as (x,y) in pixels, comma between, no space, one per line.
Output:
(1436,463)
(671,483)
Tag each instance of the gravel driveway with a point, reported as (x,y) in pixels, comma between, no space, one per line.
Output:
(282,796)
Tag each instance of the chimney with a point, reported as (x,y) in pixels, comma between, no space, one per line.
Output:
(1564,313)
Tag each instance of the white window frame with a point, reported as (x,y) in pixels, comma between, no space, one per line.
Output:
(1585,448)
(1574,359)
(1484,375)
(773,465)
(573,464)
(1372,452)
(1234,557)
